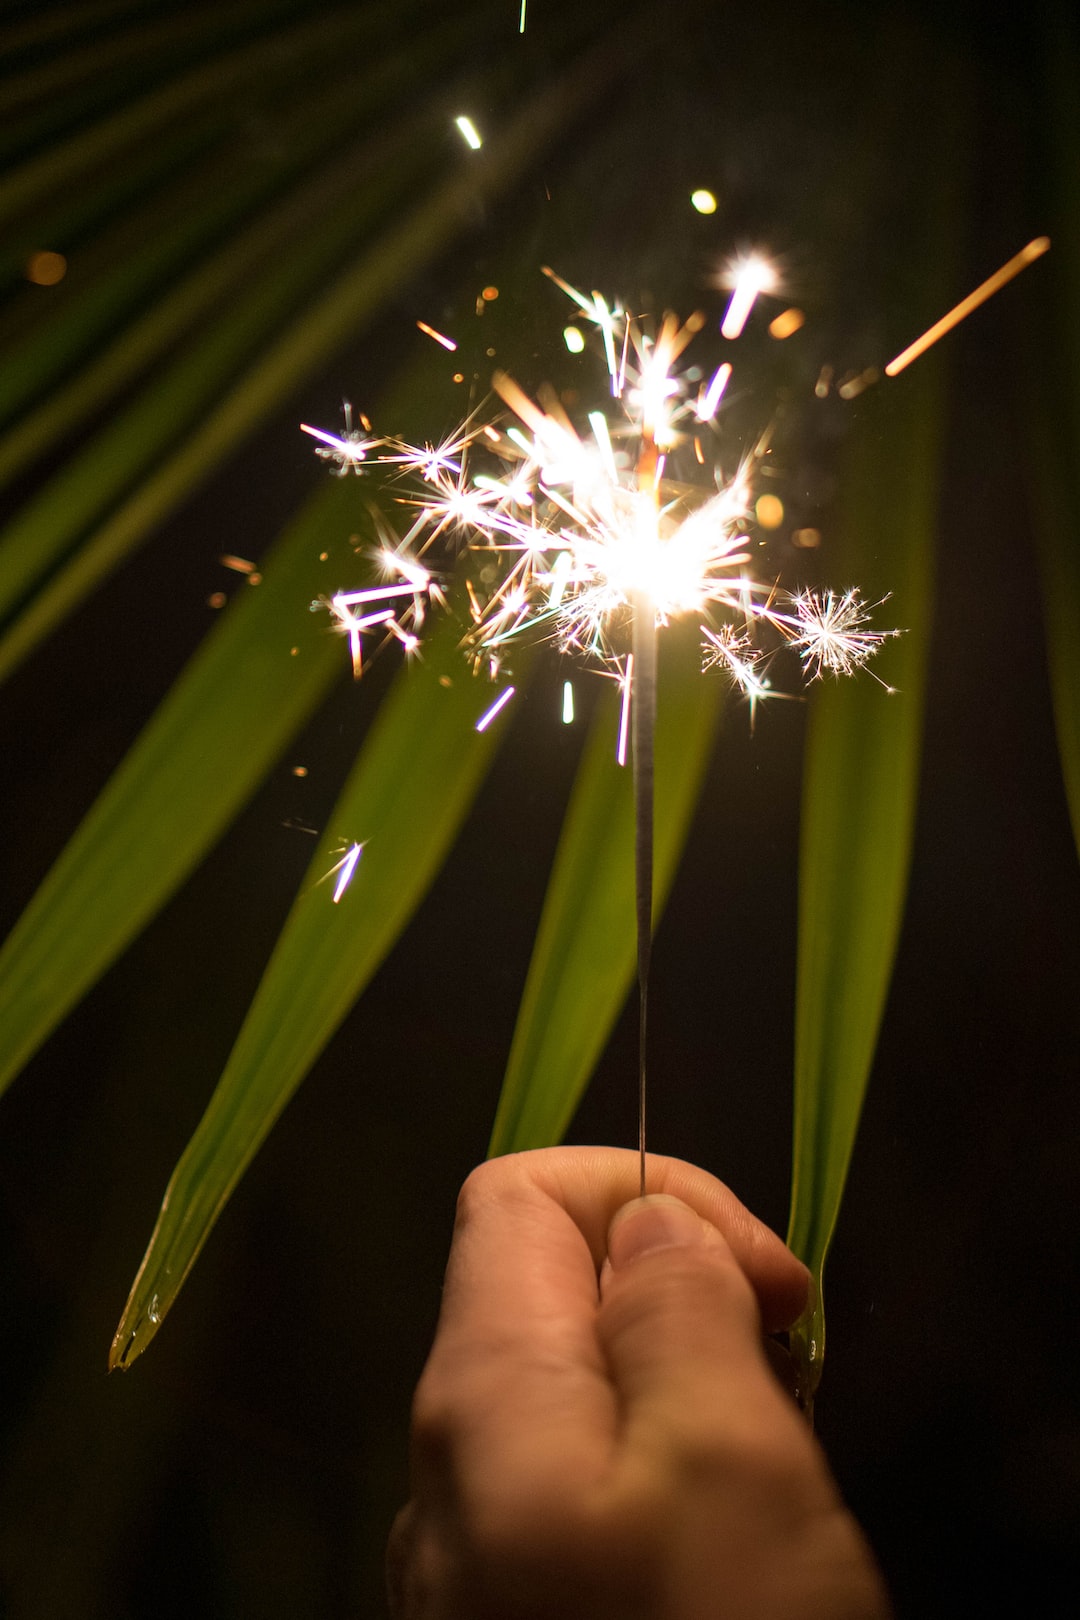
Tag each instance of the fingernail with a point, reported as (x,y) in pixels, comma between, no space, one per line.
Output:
(655,1222)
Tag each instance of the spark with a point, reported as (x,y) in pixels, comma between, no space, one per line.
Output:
(469,133)
(582,302)
(748,278)
(347,598)
(832,635)
(238,565)
(416,584)
(574,338)
(598,423)
(345,452)
(499,704)
(728,649)
(521,19)
(345,869)
(703,200)
(987,289)
(710,399)
(626,681)
(568,703)
(440,337)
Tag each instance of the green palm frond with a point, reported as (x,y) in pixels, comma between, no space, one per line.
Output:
(403,803)
(863,750)
(1051,364)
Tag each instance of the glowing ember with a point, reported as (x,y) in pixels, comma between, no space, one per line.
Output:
(748,278)
(469,133)
(345,869)
(496,708)
(440,337)
(344,452)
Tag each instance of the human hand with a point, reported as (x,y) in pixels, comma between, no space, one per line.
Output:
(597,1434)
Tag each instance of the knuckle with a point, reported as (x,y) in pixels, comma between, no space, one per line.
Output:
(474,1190)
(564,1556)
(433,1422)
(493,1181)
(761,1470)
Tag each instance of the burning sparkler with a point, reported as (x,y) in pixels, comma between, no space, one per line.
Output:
(598,545)
(598,539)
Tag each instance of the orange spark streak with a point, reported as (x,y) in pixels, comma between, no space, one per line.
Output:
(346,868)
(1018,262)
(500,703)
(429,331)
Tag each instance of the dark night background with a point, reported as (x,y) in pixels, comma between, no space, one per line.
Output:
(251,1462)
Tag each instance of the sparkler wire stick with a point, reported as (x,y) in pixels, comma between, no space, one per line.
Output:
(643,717)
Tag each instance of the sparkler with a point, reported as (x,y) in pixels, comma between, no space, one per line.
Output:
(597,545)
(598,540)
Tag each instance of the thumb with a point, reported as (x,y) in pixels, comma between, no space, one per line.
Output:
(681,1327)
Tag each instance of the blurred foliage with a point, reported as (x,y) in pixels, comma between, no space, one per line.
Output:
(1050,363)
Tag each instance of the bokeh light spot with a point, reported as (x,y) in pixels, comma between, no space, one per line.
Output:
(769,511)
(46,268)
(788,321)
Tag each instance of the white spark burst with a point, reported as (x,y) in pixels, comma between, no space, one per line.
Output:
(577,530)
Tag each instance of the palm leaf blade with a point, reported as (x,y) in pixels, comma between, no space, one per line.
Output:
(406,797)
(859,793)
(1053,365)
(242,696)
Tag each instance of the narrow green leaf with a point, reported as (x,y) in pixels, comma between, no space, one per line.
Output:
(172,404)
(404,802)
(1052,365)
(585,953)
(860,777)
(241,697)
(858,812)
(328,143)
(157,41)
(214,85)
(114,275)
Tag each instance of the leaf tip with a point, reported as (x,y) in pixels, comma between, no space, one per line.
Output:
(137,1327)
